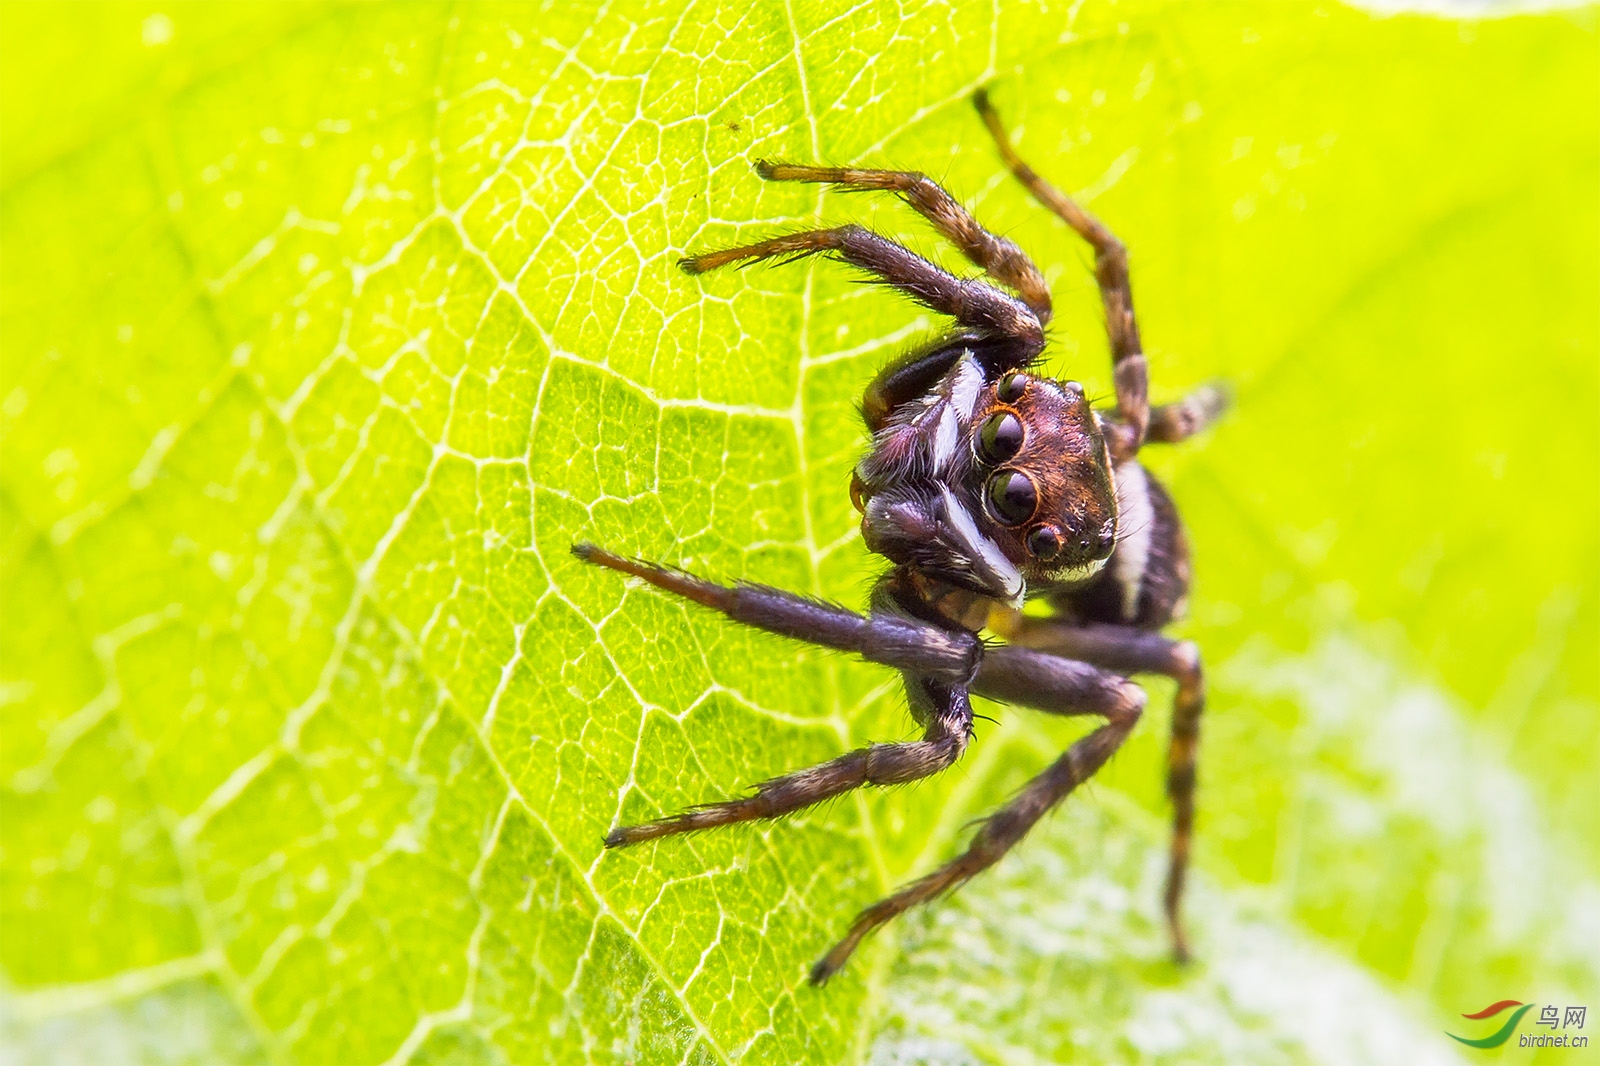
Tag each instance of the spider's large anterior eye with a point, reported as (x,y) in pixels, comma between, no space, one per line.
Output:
(1044,543)
(1011,387)
(1012,497)
(1000,437)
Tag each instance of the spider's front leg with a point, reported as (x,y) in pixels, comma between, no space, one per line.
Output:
(946,656)
(1047,683)
(1000,257)
(973,304)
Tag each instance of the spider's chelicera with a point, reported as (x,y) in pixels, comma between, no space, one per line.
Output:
(986,485)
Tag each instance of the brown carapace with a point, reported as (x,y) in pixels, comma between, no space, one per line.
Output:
(985,485)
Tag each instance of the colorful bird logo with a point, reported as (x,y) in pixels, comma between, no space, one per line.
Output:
(1501,1035)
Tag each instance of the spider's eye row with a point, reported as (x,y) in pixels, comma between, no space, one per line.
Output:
(1011,387)
(1000,437)
(1045,543)
(1012,497)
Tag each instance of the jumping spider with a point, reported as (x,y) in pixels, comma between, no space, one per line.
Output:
(985,485)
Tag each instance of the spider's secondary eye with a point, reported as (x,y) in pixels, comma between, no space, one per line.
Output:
(1044,543)
(1012,497)
(1000,437)
(1011,387)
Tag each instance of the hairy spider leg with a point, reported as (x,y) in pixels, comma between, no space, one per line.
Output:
(948,714)
(1044,682)
(1174,422)
(1000,258)
(1137,651)
(973,304)
(1128,368)
(937,663)
(1011,674)
(943,655)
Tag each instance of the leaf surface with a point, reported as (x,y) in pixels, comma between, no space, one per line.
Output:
(329,329)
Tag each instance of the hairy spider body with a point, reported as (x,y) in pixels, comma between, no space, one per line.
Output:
(985,485)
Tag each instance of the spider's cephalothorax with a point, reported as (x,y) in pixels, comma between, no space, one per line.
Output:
(990,483)
(986,485)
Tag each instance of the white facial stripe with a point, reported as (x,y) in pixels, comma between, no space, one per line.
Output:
(1134,528)
(945,439)
(952,404)
(983,551)
(965,385)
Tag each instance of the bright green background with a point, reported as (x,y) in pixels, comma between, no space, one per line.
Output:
(327,329)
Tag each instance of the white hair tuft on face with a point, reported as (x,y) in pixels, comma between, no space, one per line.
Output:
(983,553)
(946,438)
(954,402)
(966,384)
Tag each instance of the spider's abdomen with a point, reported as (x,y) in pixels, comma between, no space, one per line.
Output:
(1146,581)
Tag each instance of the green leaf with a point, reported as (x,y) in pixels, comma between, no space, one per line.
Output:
(328,330)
